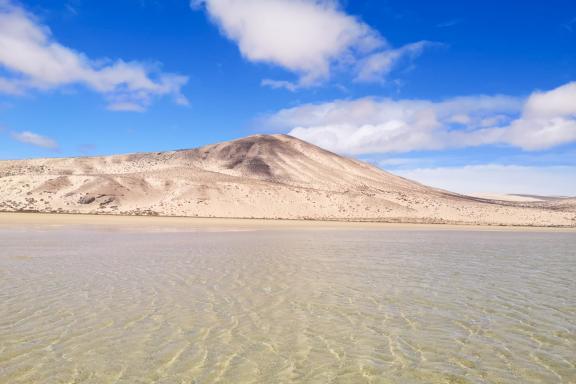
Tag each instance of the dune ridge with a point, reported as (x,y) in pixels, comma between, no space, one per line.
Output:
(260,176)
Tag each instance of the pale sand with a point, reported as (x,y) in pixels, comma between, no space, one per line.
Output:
(262,176)
(47,221)
(506,197)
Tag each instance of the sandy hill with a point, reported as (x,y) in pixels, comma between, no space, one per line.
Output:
(261,176)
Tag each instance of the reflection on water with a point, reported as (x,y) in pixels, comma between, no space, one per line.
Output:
(89,306)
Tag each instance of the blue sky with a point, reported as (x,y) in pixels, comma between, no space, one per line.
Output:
(470,96)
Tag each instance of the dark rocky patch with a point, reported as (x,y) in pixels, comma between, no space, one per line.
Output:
(86,200)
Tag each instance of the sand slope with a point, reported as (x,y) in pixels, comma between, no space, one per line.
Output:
(261,176)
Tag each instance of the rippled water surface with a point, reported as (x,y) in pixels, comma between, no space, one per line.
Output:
(287,306)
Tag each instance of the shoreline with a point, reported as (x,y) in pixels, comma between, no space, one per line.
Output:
(18,219)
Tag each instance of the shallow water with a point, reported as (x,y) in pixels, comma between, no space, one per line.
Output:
(287,306)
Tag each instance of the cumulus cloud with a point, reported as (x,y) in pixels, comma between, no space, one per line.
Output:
(35,139)
(371,125)
(548,119)
(497,178)
(33,60)
(306,37)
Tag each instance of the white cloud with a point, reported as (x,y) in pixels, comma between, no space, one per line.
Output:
(461,119)
(35,61)
(496,178)
(35,139)
(125,107)
(548,119)
(449,23)
(377,66)
(11,87)
(279,84)
(370,125)
(306,37)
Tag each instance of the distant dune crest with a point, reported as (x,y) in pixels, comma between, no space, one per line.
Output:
(261,176)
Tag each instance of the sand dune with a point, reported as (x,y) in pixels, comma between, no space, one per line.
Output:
(261,176)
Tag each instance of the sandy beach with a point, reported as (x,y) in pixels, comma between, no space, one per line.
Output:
(193,223)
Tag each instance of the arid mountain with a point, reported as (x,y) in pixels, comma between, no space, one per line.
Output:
(262,176)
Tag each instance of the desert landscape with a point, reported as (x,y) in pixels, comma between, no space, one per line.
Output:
(261,176)
(287,191)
